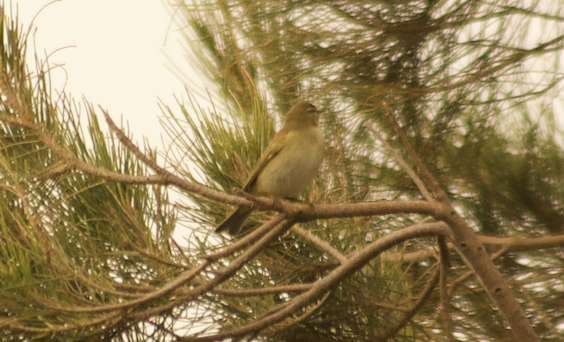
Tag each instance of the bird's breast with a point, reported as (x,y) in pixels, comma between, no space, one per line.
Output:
(295,166)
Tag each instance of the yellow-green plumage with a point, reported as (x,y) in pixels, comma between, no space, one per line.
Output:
(289,163)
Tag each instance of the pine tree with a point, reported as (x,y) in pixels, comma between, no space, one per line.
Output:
(439,122)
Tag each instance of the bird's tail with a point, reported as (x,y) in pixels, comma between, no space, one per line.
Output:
(235,221)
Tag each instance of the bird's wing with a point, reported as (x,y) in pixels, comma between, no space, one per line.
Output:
(274,147)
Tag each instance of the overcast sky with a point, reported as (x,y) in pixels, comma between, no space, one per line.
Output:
(114,55)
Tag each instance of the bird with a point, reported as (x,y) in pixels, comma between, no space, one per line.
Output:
(289,163)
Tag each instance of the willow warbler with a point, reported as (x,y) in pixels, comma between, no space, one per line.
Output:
(289,163)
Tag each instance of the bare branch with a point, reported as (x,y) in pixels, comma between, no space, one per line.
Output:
(412,311)
(401,161)
(247,240)
(320,243)
(445,299)
(468,243)
(355,261)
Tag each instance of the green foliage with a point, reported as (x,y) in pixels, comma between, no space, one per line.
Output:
(223,154)
(466,80)
(86,231)
(69,240)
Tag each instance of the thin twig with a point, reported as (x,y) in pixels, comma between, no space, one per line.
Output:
(403,164)
(438,193)
(183,278)
(445,299)
(467,242)
(263,291)
(418,182)
(409,315)
(319,289)
(287,323)
(247,240)
(540,312)
(320,243)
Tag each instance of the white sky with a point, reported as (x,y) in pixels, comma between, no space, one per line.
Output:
(115,56)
